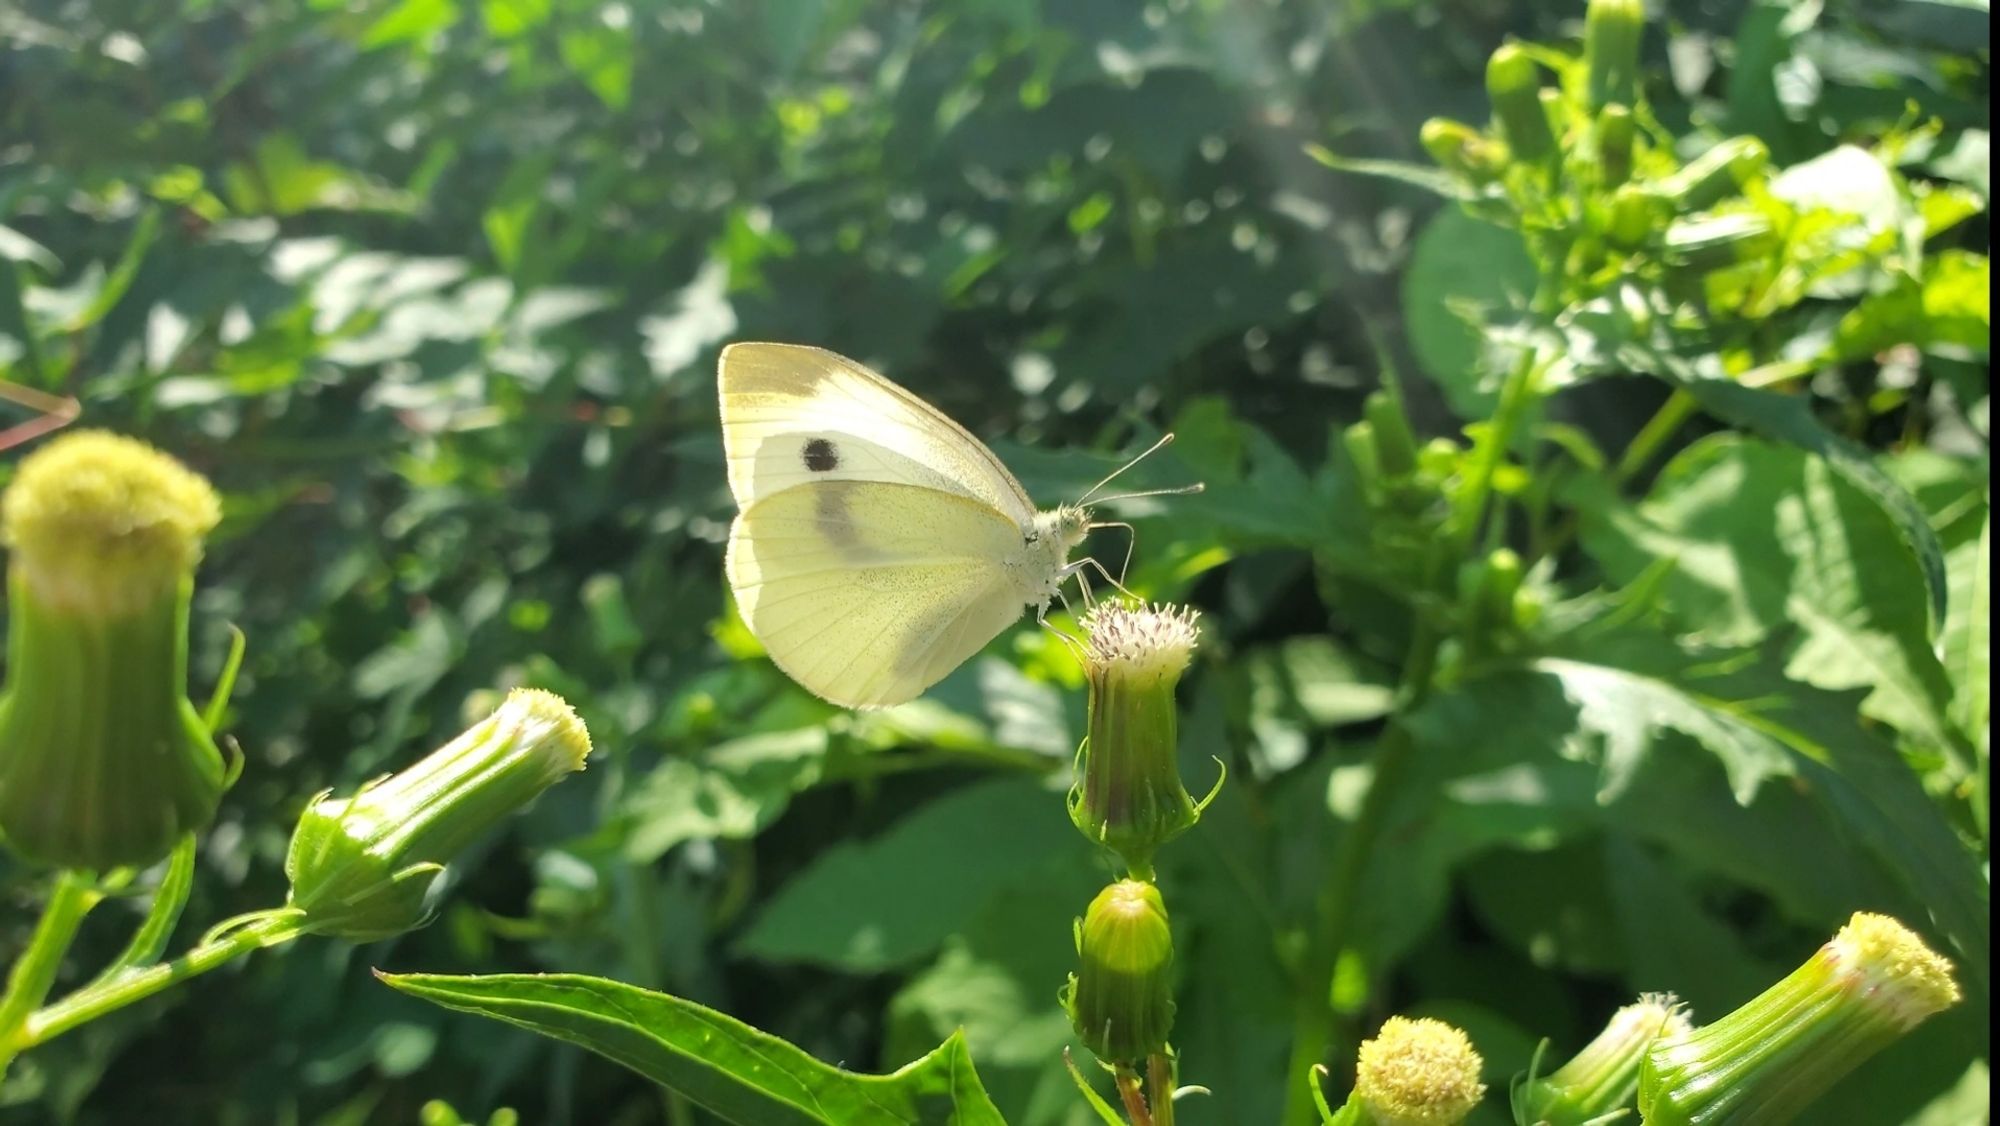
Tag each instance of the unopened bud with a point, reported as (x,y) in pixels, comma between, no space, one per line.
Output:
(104,761)
(361,867)
(1611,34)
(1602,1079)
(1395,444)
(1121,999)
(1770,1059)
(1513,85)
(1616,132)
(1715,241)
(1458,147)
(1717,174)
(1637,216)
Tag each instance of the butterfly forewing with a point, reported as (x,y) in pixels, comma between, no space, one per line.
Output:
(793,415)
(869,592)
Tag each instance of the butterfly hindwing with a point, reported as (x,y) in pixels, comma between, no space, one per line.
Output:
(869,592)
(793,414)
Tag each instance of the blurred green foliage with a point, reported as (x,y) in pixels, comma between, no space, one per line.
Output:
(433,291)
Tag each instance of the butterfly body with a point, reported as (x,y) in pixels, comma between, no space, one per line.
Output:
(879,545)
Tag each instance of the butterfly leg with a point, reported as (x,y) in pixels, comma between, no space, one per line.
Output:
(1131,542)
(1077,567)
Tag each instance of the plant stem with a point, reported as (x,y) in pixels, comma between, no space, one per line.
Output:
(1160,1088)
(34,972)
(1679,407)
(1132,1090)
(100,999)
(1315,1023)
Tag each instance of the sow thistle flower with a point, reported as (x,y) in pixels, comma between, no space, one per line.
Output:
(362,867)
(104,762)
(1121,1001)
(1419,1072)
(1766,1062)
(1128,795)
(1602,1078)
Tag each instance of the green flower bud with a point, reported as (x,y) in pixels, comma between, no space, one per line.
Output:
(362,867)
(1395,444)
(1616,132)
(1611,33)
(104,762)
(1768,1061)
(1458,147)
(1487,589)
(1604,1076)
(1715,241)
(1128,794)
(1717,174)
(1636,215)
(1513,85)
(1122,1000)
(1418,1072)
(1359,442)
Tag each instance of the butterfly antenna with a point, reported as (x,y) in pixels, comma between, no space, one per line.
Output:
(1149,451)
(1176,491)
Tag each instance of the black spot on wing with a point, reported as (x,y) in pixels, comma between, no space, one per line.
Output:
(820,455)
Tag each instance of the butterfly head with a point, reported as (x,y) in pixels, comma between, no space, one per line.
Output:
(1061,529)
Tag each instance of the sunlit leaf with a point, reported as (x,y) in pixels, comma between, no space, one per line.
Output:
(716,1061)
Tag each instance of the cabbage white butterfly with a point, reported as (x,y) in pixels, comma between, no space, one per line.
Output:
(879,544)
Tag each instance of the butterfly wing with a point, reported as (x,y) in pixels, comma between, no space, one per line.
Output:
(869,592)
(793,414)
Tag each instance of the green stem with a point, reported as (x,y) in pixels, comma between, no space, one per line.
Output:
(1314,1025)
(1132,1091)
(1679,407)
(1160,1088)
(106,997)
(1315,1022)
(34,972)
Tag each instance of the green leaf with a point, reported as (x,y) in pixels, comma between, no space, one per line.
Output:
(1461,268)
(1766,538)
(732,791)
(871,905)
(1958,301)
(1789,418)
(716,1061)
(602,57)
(1971,651)
(1434,180)
(1610,694)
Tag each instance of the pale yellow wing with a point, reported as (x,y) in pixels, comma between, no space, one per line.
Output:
(793,414)
(868,593)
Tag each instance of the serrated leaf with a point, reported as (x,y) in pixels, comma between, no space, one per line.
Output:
(716,1061)
(1766,538)
(1789,418)
(1610,696)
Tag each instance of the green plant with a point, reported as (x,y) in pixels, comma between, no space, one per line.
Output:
(1592,569)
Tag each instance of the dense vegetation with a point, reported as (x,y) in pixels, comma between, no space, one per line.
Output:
(1668,620)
